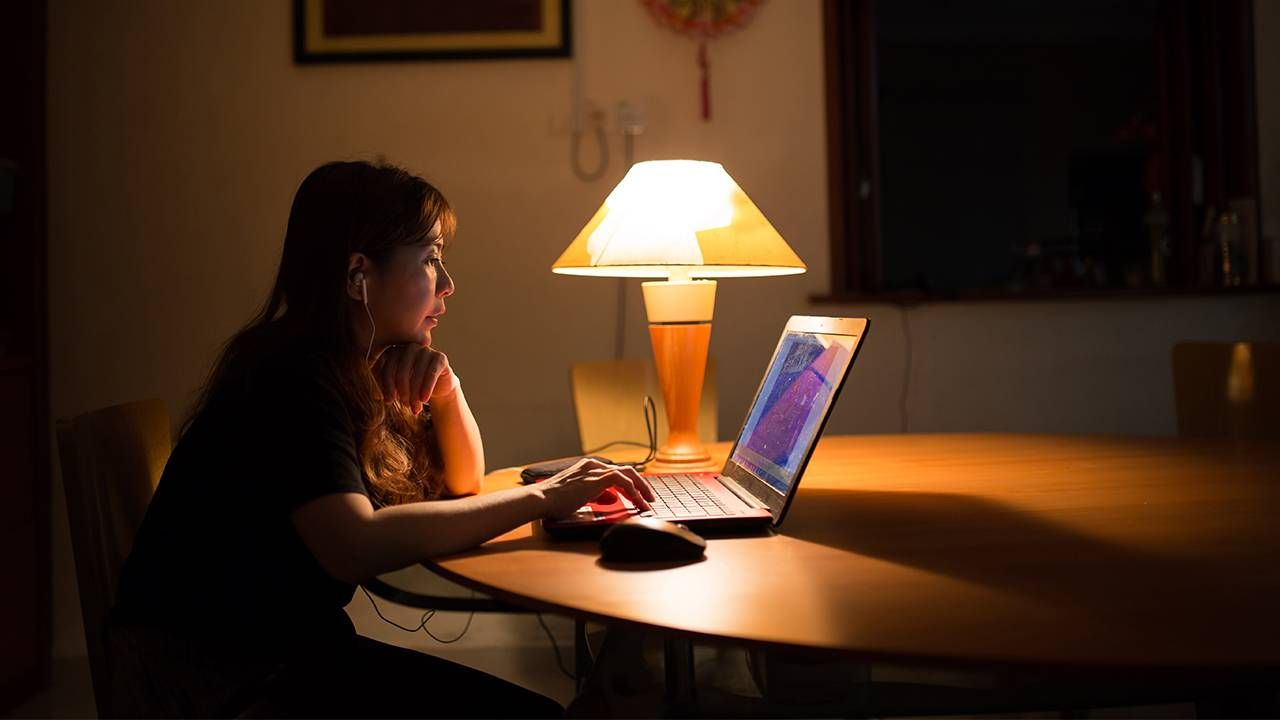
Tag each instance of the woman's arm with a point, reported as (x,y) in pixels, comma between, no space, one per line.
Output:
(416,374)
(353,542)
(460,445)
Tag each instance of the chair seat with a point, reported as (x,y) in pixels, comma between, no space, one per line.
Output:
(608,396)
(1227,390)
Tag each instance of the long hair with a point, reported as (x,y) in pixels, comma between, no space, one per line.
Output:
(343,208)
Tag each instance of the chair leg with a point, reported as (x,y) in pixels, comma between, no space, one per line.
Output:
(582,663)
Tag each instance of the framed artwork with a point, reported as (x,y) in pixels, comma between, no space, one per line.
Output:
(377,30)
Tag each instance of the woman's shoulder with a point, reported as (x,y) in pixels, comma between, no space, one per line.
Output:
(292,367)
(286,381)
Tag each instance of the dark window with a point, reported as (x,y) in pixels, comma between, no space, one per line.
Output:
(1011,148)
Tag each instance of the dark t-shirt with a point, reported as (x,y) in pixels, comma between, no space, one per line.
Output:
(217,554)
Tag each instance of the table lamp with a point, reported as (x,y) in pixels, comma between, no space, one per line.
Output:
(686,221)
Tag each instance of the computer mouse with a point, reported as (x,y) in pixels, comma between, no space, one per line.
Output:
(639,539)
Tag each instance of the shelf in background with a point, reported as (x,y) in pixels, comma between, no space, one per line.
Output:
(913,297)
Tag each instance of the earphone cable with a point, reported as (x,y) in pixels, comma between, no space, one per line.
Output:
(554,646)
(364,293)
(465,627)
(422,622)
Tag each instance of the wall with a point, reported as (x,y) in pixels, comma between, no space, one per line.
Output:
(179,130)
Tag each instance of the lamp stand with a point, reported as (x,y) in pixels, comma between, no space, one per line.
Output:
(680,330)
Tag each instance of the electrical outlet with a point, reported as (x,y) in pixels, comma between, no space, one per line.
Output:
(630,119)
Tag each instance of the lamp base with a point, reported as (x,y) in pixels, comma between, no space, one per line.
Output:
(692,465)
(680,357)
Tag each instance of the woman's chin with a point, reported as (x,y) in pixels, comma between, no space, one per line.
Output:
(419,337)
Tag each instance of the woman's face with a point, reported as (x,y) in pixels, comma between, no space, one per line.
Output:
(407,292)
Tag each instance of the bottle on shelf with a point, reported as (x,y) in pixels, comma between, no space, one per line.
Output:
(1156,220)
(1231,250)
(1207,271)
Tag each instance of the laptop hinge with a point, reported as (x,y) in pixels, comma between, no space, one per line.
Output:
(742,494)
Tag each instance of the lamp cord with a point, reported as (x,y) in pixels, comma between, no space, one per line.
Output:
(620,329)
(651,429)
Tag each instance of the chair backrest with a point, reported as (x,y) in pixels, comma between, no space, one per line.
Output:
(111,463)
(1227,390)
(607,399)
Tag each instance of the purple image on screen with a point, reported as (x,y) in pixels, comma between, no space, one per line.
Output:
(801,386)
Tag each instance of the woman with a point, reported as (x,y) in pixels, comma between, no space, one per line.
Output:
(331,443)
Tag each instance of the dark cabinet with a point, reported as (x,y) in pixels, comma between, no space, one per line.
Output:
(25,607)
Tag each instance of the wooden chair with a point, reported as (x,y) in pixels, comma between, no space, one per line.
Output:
(607,400)
(1227,390)
(111,463)
(112,460)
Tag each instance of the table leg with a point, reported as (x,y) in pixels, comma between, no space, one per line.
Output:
(677,656)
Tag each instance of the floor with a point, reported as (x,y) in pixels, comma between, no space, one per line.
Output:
(70,694)
(514,647)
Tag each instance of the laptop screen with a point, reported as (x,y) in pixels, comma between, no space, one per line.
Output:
(791,405)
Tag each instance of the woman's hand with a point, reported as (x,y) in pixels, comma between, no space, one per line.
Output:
(570,489)
(413,375)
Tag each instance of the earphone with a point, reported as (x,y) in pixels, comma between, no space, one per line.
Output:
(364,292)
(364,295)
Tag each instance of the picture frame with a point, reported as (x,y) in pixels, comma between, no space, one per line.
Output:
(334,31)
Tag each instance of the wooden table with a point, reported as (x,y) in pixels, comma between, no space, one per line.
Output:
(1060,550)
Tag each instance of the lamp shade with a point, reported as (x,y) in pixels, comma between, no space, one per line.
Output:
(678,218)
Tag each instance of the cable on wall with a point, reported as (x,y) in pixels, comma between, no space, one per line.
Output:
(631,124)
(596,118)
(582,109)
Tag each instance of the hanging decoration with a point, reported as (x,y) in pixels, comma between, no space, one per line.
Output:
(703,20)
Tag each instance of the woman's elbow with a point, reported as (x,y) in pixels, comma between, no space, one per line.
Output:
(348,575)
(464,484)
(345,563)
(338,531)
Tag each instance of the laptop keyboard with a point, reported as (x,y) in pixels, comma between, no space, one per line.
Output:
(681,496)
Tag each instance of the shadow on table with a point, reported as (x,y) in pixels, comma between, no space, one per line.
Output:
(986,542)
(981,541)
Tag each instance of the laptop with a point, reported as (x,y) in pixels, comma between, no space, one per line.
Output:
(760,476)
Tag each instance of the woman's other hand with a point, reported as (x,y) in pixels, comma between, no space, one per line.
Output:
(569,489)
(413,375)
